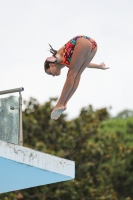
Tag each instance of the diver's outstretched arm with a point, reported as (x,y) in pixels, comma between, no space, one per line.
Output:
(97,66)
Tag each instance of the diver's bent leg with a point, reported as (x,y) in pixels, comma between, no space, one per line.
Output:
(88,60)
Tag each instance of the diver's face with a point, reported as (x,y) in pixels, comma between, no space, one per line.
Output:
(53,70)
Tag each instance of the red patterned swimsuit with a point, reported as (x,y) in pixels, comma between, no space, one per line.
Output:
(69,48)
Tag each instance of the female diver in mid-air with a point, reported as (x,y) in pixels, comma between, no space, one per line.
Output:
(76,54)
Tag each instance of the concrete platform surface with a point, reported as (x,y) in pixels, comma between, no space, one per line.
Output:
(22,167)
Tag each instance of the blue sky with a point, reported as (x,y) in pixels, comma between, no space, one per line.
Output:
(26,28)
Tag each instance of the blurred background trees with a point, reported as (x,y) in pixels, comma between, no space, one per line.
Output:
(101,146)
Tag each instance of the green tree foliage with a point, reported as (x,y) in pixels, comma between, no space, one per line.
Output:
(119,167)
(101,148)
(125,114)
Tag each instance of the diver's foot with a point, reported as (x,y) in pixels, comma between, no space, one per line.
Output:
(56,113)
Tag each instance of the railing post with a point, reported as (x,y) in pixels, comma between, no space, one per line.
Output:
(20,120)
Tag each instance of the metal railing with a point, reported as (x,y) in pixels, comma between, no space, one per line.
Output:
(20,129)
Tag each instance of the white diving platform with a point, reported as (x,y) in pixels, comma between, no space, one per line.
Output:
(22,167)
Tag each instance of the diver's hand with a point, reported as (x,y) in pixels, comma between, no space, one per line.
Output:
(103,66)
